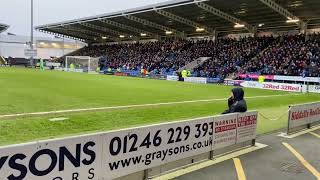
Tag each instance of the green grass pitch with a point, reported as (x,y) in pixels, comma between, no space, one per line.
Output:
(28,90)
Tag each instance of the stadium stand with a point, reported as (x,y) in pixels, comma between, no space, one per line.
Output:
(284,55)
(293,55)
(228,58)
(161,32)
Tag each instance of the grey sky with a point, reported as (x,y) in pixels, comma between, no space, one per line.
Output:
(16,13)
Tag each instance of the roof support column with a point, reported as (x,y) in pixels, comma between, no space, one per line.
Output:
(303,26)
(214,35)
(254,31)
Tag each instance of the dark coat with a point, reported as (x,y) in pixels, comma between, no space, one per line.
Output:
(237,103)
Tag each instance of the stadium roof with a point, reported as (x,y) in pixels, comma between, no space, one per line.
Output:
(192,18)
(3,27)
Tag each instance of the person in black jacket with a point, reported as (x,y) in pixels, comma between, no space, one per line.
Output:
(236,102)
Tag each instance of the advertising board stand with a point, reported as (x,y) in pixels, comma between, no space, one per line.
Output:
(303,116)
(134,153)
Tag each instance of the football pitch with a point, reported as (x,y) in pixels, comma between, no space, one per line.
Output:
(95,103)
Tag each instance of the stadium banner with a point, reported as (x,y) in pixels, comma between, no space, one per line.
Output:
(138,149)
(282,78)
(252,84)
(230,82)
(314,88)
(157,76)
(108,73)
(303,116)
(275,86)
(196,80)
(256,76)
(52,64)
(172,78)
(64,159)
(213,80)
(285,87)
(246,126)
(59,68)
(73,70)
(121,74)
(225,130)
(297,78)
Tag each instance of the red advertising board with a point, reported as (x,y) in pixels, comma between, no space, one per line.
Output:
(283,87)
(275,86)
(120,74)
(225,130)
(246,126)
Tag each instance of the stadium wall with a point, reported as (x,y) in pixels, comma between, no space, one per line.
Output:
(137,153)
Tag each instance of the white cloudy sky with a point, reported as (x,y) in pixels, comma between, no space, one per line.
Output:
(16,13)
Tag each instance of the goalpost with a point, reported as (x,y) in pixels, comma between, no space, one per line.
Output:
(81,64)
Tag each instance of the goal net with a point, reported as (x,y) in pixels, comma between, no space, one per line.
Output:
(81,64)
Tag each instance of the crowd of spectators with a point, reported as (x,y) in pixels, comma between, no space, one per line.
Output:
(157,57)
(284,55)
(295,55)
(230,55)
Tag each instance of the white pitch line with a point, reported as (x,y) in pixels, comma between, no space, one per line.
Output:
(58,119)
(129,106)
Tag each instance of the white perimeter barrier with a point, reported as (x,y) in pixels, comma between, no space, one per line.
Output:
(297,78)
(50,64)
(172,78)
(275,86)
(59,68)
(196,80)
(73,70)
(303,116)
(130,152)
(314,88)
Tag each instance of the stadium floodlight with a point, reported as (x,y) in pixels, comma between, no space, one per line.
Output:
(121,36)
(198,29)
(168,32)
(143,34)
(292,20)
(237,25)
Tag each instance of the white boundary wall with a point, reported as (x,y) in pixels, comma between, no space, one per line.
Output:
(297,78)
(303,116)
(172,78)
(196,80)
(129,152)
(314,88)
